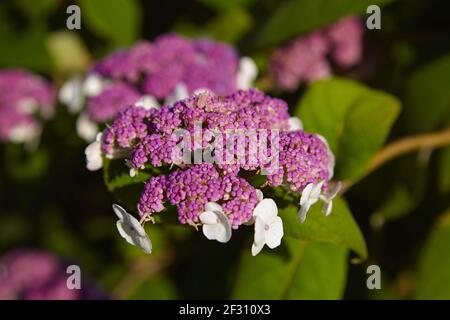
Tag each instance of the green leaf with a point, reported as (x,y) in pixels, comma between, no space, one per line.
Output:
(338,228)
(116,175)
(433,275)
(399,203)
(37,9)
(297,270)
(117,20)
(158,287)
(427,98)
(68,52)
(223,5)
(354,119)
(16,48)
(294,17)
(229,26)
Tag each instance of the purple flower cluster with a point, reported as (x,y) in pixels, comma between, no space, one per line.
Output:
(304,159)
(37,275)
(151,137)
(306,58)
(157,68)
(23,96)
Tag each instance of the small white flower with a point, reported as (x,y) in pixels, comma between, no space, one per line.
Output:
(86,128)
(268,226)
(247,73)
(147,102)
(312,193)
(295,124)
(131,230)
(328,197)
(179,93)
(93,152)
(93,85)
(216,225)
(25,133)
(71,94)
(260,197)
(28,105)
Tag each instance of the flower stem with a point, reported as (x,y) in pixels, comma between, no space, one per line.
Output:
(403,146)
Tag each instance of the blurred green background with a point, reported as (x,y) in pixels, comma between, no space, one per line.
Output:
(49,200)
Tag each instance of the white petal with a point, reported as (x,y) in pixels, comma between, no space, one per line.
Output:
(295,124)
(134,225)
(303,211)
(93,154)
(28,105)
(259,194)
(213,206)
(200,91)
(259,236)
(247,73)
(209,230)
(266,210)
(275,233)
(93,85)
(24,133)
(180,93)
(333,190)
(256,248)
(133,172)
(147,102)
(327,207)
(224,228)
(119,211)
(331,159)
(123,232)
(132,237)
(317,190)
(208,217)
(306,193)
(144,243)
(86,128)
(71,94)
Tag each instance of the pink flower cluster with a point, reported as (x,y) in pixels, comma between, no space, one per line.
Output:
(24,99)
(27,274)
(150,139)
(157,68)
(309,57)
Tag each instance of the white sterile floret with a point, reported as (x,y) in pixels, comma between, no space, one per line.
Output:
(312,193)
(71,94)
(147,102)
(131,230)
(179,93)
(86,128)
(295,124)
(93,85)
(216,225)
(268,226)
(25,133)
(247,73)
(93,152)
